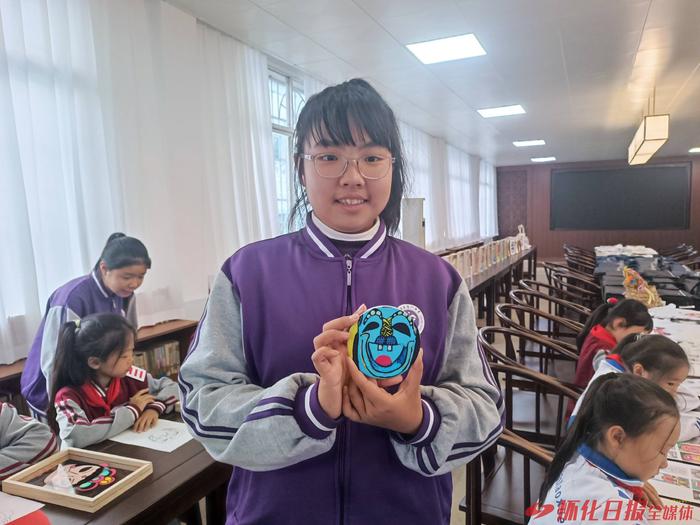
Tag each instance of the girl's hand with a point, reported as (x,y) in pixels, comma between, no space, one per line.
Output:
(141,399)
(146,420)
(329,360)
(330,365)
(334,334)
(364,401)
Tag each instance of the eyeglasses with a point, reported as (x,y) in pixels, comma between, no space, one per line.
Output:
(332,166)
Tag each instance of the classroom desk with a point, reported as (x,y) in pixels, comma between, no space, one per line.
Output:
(668,276)
(179,480)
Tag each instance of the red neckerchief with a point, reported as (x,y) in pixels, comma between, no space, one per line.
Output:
(637,492)
(602,333)
(95,399)
(617,358)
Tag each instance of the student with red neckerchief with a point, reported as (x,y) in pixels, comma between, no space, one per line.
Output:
(97,392)
(607,325)
(618,441)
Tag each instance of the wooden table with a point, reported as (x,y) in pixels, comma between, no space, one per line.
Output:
(506,271)
(179,480)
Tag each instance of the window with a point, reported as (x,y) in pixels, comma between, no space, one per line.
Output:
(284,117)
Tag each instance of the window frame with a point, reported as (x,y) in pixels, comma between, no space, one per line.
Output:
(295,85)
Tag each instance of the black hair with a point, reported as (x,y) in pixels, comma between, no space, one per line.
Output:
(332,115)
(121,251)
(632,402)
(656,353)
(96,335)
(632,312)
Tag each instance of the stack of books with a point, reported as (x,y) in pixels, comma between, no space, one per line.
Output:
(160,360)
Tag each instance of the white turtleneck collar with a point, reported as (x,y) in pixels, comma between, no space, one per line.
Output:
(340,236)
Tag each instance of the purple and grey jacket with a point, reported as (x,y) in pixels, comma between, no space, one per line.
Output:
(248,391)
(74,300)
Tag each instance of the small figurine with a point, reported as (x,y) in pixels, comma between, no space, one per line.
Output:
(638,289)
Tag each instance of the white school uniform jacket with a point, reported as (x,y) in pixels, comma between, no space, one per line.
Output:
(23,441)
(592,484)
(686,400)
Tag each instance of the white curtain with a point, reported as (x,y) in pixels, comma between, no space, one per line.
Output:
(449,180)
(488,201)
(124,116)
(238,142)
(441,201)
(147,57)
(57,200)
(463,196)
(417,148)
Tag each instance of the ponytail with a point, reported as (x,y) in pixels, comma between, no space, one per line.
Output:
(121,251)
(68,368)
(594,318)
(632,312)
(627,400)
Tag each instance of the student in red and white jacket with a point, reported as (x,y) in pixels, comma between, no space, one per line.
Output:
(23,441)
(98,393)
(607,325)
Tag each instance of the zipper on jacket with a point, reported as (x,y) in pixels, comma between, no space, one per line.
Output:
(348,285)
(342,430)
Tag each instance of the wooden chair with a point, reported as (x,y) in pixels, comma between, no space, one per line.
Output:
(561,307)
(578,250)
(551,268)
(534,404)
(694,264)
(670,249)
(524,348)
(579,264)
(577,278)
(687,257)
(548,289)
(676,250)
(510,487)
(563,331)
(584,296)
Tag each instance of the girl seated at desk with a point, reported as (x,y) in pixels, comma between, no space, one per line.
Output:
(97,392)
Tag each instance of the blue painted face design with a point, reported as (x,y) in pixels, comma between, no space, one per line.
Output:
(384,343)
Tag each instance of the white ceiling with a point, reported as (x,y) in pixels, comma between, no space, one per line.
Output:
(582,69)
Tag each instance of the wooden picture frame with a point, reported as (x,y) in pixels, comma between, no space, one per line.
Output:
(106,477)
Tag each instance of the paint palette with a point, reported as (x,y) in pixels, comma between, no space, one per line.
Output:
(385,341)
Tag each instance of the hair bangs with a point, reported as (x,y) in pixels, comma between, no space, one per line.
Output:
(357,123)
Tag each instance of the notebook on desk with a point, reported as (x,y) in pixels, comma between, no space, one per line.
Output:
(680,481)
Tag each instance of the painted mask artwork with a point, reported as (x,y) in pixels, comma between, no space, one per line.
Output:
(384,343)
(80,477)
